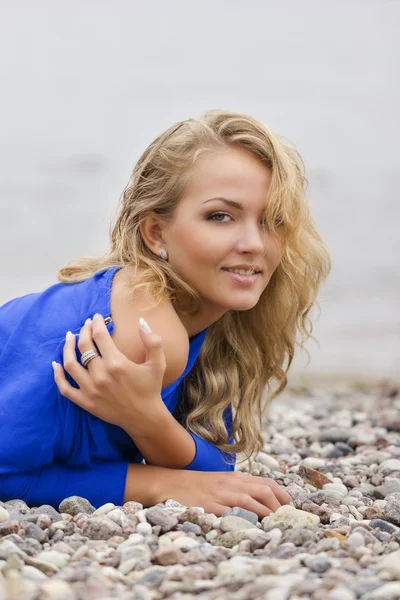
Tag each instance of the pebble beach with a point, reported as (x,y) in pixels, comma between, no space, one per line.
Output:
(334,448)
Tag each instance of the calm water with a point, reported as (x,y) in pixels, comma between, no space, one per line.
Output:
(86,86)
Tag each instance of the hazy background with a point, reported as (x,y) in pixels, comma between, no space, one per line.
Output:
(87,85)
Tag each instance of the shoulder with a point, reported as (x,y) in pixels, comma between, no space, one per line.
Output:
(126,310)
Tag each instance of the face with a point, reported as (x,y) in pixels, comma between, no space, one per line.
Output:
(207,236)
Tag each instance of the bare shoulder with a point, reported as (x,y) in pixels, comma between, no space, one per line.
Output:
(126,311)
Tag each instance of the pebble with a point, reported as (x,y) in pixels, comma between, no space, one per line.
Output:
(287,516)
(236,511)
(335,451)
(231,523)
(4,514)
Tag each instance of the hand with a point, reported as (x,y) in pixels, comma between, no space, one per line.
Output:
(111,384)
(217,492)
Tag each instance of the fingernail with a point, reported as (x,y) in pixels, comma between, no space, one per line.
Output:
(54,365)
(89,320)
(144,325)
(97,316)
(68,336)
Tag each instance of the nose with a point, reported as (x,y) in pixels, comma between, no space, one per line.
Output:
(252,239)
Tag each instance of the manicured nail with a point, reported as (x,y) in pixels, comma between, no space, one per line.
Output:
(89,320)
(68,336)
(145,326)
(54,365)
(97,316)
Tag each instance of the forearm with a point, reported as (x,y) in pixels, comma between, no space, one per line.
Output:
(162,441)
(144,484)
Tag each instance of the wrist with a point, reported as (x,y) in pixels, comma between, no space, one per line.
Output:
(145,421)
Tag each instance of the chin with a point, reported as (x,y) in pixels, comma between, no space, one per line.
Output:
(241,305)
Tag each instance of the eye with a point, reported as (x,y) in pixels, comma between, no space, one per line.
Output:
(212,216)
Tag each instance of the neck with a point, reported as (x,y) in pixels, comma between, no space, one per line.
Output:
(203,319)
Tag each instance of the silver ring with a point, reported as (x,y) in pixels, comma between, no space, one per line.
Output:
(88,356)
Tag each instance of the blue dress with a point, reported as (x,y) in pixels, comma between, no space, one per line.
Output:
(51,448)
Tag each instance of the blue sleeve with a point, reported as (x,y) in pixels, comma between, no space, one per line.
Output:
(210,458)
(102,482)
(32,418)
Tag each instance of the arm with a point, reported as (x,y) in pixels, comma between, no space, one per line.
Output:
(161,440)
(166,443)
(102,482)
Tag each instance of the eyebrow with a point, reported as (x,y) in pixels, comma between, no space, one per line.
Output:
(230,202)
(226,201)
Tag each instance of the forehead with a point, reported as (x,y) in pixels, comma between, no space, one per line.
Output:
(234,172)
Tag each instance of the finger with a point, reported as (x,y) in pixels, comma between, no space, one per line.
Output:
(279,492)
(86,343)
(66,389)
(153,343)
(102,338)
(264,495)
(71,365)
(249,503)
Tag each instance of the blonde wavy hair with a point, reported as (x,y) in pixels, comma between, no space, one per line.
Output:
(246,355)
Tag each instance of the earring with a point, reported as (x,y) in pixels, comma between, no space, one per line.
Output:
(163,253)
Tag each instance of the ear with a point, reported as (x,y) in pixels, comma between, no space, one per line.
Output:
(153,229)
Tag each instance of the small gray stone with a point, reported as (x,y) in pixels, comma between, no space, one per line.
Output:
(74,505)
(392,511)
(237,511)
(336,434)
(162,517)
(7,548)
(100,528)
(298,536)
(188,527)
(390,486)
(318,563)
(230,539)
(35,532)
(46,509)
(17,506)
(383,526)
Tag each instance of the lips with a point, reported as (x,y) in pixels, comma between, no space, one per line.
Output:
(241,269)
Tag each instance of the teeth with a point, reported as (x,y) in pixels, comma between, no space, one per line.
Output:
(241,271)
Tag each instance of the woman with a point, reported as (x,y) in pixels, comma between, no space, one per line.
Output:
(215,246)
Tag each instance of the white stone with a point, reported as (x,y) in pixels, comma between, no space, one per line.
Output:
(141,515)
(54,558)
(133,539)
(387,591)
(289,516)
(127,566)
(217,523)
(338,487)
(390,562)
(231,523)
(275,534)
(268,461)
(144,529)
(350,501)
(313,462)
(356,514)
(341,593)
(118,516)
(33,574)
(103,510)
(388,466)
(185,543)
(4,514)
(58,590)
